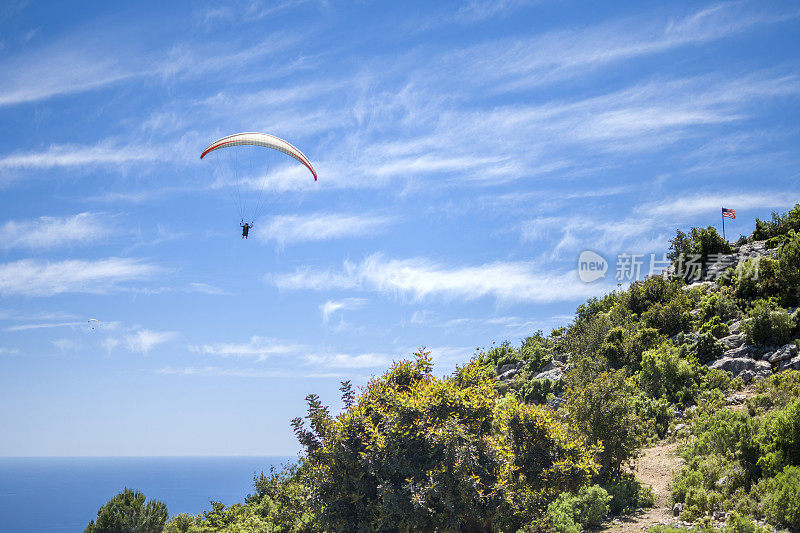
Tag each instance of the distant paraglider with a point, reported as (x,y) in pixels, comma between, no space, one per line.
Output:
(94,323)
(249,169)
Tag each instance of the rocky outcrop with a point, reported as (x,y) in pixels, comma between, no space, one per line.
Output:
(792,364)
(719,266)
(732,341)
(554,371)
(744,367)
(782,354)
(507,372)
(736,353)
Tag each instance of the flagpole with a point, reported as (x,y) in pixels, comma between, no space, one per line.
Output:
(723,225)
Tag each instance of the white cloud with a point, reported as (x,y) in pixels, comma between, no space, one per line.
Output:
(342,360)
(110,343)
(258,347)
(52,232)
(205,288)
(57,70)
(37,278)
(331,306)
(64,345)
(420,278)
(514,63)
(144,340)
(320,227)
(480,10)
(8,351)
(25,327)
(712,202)
(61,155)
(216,371)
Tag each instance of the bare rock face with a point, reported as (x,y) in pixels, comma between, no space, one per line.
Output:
(744,367)
(510,367)
(742,351)
(747,376)
(763,370)
(508,375)
(732,341)
(553,371)
(792,364)
(784,353)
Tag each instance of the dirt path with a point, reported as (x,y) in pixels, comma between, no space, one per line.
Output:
(654,467)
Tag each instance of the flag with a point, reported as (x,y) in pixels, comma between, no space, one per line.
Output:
(730,213)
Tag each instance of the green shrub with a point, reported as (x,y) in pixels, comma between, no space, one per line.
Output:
(536,350)
(628,494)
(738,523)
(715,327)
(669,319)
(655,412)
(127,511)
(779,225)
(536,391)
(666,374)
(777,391)
(782,498)
(718,305)
(603,411)
(789,267)
(716,378)
(755,278)
(561,515)
(417,452)
(571,511)
(780,440)
(768,325)
(707,348)
(181,523)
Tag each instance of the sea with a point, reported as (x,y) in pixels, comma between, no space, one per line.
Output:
(49,494)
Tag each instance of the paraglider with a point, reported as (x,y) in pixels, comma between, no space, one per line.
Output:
(250,166)
(93,323)
(245,228)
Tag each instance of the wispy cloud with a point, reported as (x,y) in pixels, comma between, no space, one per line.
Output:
(332,306)
(64,345)
(100,61)
(59,155)
(421,278)
(37,278)
(514,63)
(216,371)
(55,71)
(343,360)
(205,288)
(321,227)
(47,325)
(258,347)
(712,202)
(53,232)
(480,10)
(144,340)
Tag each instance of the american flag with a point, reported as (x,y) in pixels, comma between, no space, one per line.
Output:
(730,213)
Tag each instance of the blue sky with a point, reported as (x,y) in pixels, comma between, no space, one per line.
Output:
(467,153)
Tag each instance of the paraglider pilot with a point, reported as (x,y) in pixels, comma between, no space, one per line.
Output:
(245,228)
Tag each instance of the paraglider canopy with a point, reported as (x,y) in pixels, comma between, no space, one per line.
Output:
(247,167)
(260,139)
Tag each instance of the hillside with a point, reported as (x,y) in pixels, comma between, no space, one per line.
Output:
(570,430)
